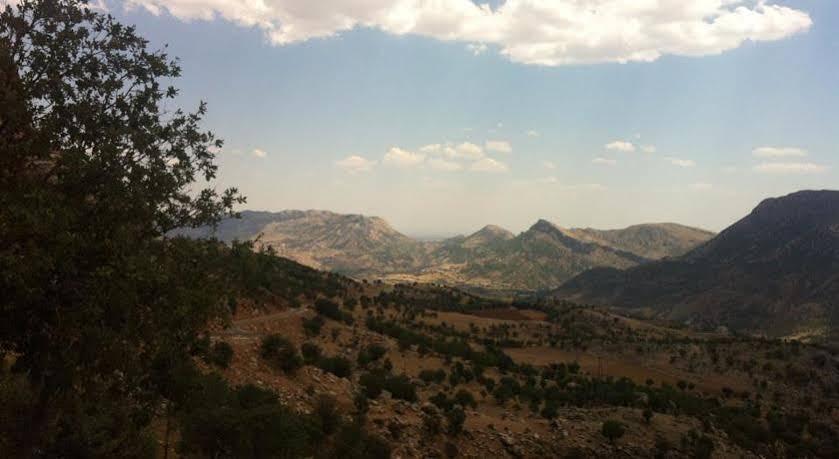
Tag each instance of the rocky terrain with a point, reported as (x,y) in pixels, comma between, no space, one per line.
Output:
(436,372)
(775,272)
(492,258)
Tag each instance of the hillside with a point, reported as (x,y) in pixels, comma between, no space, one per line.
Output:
(492,258)
(776,271)
(654,241)
(433,372)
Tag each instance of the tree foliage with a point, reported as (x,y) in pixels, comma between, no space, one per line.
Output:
(95,171)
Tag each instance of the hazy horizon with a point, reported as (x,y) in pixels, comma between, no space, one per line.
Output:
(442,123)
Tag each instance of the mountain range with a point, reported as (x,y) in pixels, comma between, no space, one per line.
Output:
(543,257)
(776,272)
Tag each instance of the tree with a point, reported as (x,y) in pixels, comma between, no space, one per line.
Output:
(95,173)
(612,430)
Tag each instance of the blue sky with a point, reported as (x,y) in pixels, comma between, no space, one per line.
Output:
(445,126)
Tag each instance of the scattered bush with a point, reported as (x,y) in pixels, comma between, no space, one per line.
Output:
(280,353)
(220,354)
(338,366)
(371,354)
(455,419)
(313,326)
(400,387)
(613,430)
(311,353)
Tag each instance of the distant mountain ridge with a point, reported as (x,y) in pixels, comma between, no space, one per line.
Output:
(775,271)
(493,258)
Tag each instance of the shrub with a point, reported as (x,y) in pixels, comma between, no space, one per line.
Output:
(338,366)
(328,309)
(432,424)
(455,418)
(401,387)
(613,430)
(370,354)
(326,414)
(280,353)
(465,398)
(313,326)
(311,353)
(372,383)
(353,442)
(220,354)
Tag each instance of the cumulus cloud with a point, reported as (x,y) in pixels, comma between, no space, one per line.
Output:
(532,133)
(488,165)
(681,162)
(476,48)
(500,146)
(258,153)
(444,165)
(549,165)
(620,145)
(790,168)
(355,164)
(779,152)
(536,32)
(649,149)
(402,158)
(604,161)
(465,150)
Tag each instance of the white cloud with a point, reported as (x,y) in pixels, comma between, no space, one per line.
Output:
(681,162)
(547,180)
(488,165)
(355,164)
(476,48)
(620,145)
(649,149)
(538,32)
(403,158)
(434,148)
(604,161)
(259,153)
(549,165)
(443,165)
(532,133)
(779,152)
(790,168)
(500,146)
(729,169)
(701,186)
(465,150)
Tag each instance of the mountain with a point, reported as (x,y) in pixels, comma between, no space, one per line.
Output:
(656,240)
(492,258)
(538,258)
(776,271)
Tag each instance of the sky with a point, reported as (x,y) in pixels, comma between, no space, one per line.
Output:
(442,116)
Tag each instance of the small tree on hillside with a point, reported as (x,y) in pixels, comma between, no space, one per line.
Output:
(613,430)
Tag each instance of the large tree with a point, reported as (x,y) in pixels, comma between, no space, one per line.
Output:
(95,171)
